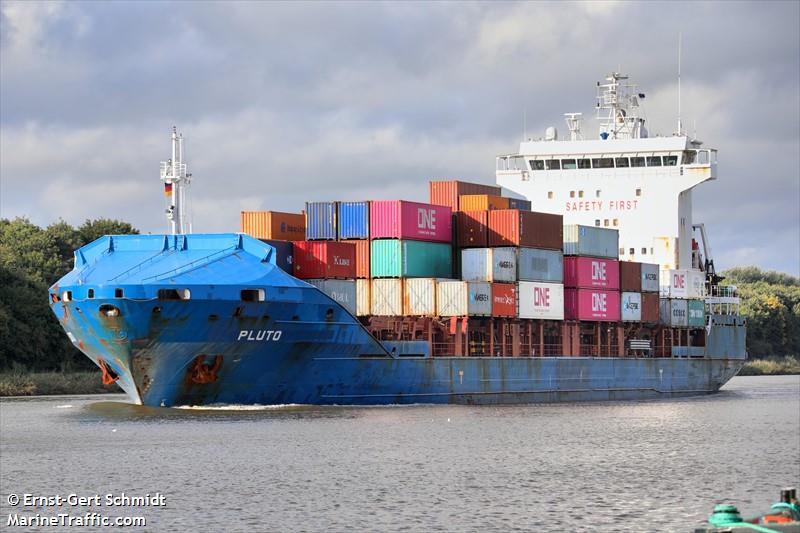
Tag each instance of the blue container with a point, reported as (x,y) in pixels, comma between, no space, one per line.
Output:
(516,203)
(353,220)
(285,254)
(321,221)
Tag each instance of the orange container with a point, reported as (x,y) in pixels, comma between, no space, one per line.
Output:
(481,202)
(512,227)
(504,299)
(362,257)
(273,225)
(447,192)
(471,228)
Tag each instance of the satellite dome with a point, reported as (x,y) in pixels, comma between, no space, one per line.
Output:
(551,134)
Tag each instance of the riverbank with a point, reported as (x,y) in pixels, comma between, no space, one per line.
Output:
(46,383)
(772,366)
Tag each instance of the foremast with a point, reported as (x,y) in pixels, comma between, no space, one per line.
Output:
(176,179)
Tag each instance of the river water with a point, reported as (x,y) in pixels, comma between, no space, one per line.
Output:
(624,466)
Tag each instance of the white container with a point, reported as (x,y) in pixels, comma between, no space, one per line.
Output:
(674,313)
(688,284)
(342,291)
(419,297)
(489,264)
(479,298)
(452,298)
(650,278)
(386,297)
(543,301)
(362,297)
(631,307)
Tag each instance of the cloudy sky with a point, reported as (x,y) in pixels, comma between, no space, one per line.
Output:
(286,102)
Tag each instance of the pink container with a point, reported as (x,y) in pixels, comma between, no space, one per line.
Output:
(591,305)
(591,273)
(398,219)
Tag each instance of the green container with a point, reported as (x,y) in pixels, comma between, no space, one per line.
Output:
(697,313)
(393,258)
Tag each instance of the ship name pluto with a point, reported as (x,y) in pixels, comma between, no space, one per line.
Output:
(260,335)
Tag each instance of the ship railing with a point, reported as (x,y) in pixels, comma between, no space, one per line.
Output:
(197,263)
(723,300)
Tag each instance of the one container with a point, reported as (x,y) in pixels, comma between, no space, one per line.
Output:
(362,257)
(324,259)
(419,297)
(472,229)
(512,227)
(386,297)
(447,192)
(674,312)
(273,225)
(650,278)
(684,284)
(321,221)
(489,264)
(543,301)
(630,276)
(516,203)
(284,254)
(631,307)
(353,220)
(481,202)
(451,298)
(535,264)
(592,305)
(591,272)
(342,291)
(591,241)
(362,297)
(392,258)
(479,298)
(398,219)
(650,308)
(504,300)
(696,310)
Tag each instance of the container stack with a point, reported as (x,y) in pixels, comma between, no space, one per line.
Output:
(638,292)
(682,293)
(591,274)
(278,230)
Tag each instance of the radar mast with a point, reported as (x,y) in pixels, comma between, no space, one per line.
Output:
(176,179)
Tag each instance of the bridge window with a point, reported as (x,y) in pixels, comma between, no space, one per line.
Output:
(654,161)
(252,295)
(637,161)
(597,222)
(553,164)
(621,162)
(644,251)
(568,164)
(174,294)
(584,163)
(536,164)
(603,162)
(689,157)
(670,160)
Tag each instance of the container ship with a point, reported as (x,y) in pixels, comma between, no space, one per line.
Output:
(578,276)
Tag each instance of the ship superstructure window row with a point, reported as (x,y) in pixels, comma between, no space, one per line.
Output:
(604,162)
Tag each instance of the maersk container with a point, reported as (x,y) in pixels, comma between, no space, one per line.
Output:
(631,307)
(591,272)
(452,298)
(481,202)
(398,219)
(542,301)
(342,291)
(696,310)
(674,313)
(479,298)
(650,278)
(512,227)
(516,203)
(273,225)
(489,264)
(630,276)
(684,284)
(393,258)
(386,297)
(324,259)
(321,221)
(353,220)
(650,310)
(362,297)
(472,229)
(504,300)
(591,241)
(419,297)
(362,257)
(284,254)
(591,305)
(534,264)
(447,192)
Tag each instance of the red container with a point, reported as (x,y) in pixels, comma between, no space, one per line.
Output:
(630,276)
(324,259)
(362,257)
(504,299)
(591,272)
(650,307)
(398,219)
(592,305)
(512,227)
(447,192)
(472,229)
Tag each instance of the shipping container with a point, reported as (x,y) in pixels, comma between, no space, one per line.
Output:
(542,301)
(479,298)
(674,313)
(472,230)
(398,219)
(362,297)
(631,307)
(452,297)
(273,225)
(650,310)
(696,310)
(630,276)
(284,254)
(504,300)
(591,241)
(447,192)
(324,259)
(321,221)
(362,257)
(683,284)
(535,264)
(386,297)
(591,305)
(489,264)
(481,202)
(342,291)
(650,278)
(516,203)
(591,272)
(512,227)
(392,258)
(419,297)
(353,220)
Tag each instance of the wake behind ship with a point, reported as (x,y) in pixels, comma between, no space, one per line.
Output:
(472,298)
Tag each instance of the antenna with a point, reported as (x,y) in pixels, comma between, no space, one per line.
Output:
(524,123)
(680,126)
